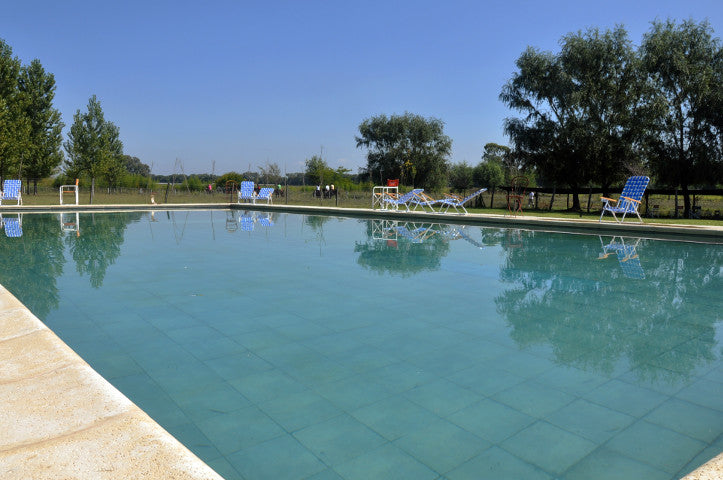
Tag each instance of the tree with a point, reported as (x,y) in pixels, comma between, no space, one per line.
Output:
(134,166)
(14,124)
(461,176)
(408,147)
(93,143)
(684,61)
(585,109)
(113,171)
(612,100)
(45,135)
(271,173)
(317,171)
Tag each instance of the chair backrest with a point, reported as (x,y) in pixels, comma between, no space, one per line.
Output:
(635,187)
(11,189)
(266,192)
(247,189)
(410,195)
(471,196)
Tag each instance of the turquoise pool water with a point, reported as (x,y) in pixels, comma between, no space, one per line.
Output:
(309,347)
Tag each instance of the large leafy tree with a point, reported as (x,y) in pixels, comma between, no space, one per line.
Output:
(584,109)
(684,62)
(612,99)
(134,166)
(93,143)
(14,124)
(43,154)
(409,147)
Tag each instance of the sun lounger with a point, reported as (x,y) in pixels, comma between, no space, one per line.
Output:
(12,191)
(629,200)
(457,202)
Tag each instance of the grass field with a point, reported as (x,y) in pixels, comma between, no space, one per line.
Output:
(362,199)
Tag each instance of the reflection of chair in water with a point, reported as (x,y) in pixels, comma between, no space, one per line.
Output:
(517,194)
(13,226)
(414,234)
(384,229)
(12,191)
(629,200)
(265,220)
(70,222)
(626,254)
(231,223)
(247,222)
(460,231)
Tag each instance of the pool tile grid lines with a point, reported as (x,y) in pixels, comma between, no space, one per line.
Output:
(60,419)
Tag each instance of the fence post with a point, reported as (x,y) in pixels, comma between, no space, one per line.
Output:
(589,196)
(552,200)
(676,203)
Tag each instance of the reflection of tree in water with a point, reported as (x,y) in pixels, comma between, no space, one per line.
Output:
(593,316)
(100,242)
(30,265)
(402,256)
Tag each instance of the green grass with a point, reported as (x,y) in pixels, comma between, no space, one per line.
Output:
(362,199)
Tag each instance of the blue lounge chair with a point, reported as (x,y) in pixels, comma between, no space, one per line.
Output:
(11,191)
(457,202)
(629,200)
(423,200)
(265,194)
(246,192)
(13,227)
(395,201)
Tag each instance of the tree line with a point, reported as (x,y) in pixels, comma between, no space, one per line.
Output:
(591,114)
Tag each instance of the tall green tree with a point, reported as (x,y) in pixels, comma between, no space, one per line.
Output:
(14,124)
(409,147)
(134,166)
(43,153)
(93,143)
(586,110)
(683,61)
(461,176)
(611,97)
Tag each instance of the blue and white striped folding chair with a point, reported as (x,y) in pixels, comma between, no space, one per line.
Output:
(12,191)
(265,194)
(396,201)
(457,202)
(629,200)
(423,200)
(415,235)
(246,192)
(13,227)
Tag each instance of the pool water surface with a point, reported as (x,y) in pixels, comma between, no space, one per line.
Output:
(285,346)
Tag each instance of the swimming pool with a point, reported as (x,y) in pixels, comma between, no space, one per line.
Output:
(291,346)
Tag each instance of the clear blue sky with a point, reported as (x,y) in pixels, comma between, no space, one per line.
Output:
(249,83)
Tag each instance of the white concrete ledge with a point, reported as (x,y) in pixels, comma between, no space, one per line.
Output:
(61,420)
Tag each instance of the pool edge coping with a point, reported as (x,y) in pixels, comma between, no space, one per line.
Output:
(66,421)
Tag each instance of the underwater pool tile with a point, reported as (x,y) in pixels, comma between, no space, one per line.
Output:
(533,398)
(231,367)
(387,462)
(590,421)
(497,464)
(605,464)
(689,419)
(394,417)
(548,447)
(267,385)
(571,380)
(704,392)
(486,379)
(239,429)
(281,458)
(299,410)
(353,392)
(657,446)
(220,347)
(339,439)
(491,420)
(442,397)
(214,399)
(190,435)
(442,446)
(626,398)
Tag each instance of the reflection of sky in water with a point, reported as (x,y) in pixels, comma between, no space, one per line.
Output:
(431,349)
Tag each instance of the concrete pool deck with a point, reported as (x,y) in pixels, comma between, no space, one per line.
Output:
(60,419)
